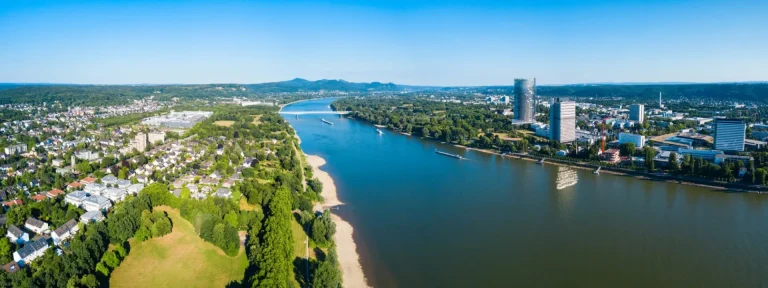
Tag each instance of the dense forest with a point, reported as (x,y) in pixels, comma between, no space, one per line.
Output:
(98,95)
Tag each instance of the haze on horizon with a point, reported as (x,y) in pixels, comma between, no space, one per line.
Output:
(427,42)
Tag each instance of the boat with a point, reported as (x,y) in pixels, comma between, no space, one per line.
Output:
(566,177)
(541,162)
(457,156)
(327,122)
(379,131)
(597,172)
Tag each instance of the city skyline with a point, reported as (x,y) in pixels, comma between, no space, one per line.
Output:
(431,43)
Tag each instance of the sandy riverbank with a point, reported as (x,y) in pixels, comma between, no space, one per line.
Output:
(352,271)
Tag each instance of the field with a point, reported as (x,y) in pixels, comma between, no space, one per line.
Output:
(179,259)
(224,123)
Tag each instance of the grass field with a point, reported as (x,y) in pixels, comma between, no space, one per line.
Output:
(179,259)
(224,123)
(256,119)
(299,246)
(248,207)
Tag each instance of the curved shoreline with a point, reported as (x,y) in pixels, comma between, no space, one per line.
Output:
(349,259)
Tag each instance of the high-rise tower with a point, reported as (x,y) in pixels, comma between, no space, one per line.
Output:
(525,100)
(562,121)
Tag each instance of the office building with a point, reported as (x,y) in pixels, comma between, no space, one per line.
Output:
(729,134)
(562,121)
(636,112)
(525,100)
(139,142)
(154,137)
(638,140)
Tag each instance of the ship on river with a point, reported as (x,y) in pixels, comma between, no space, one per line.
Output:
(457,156)
(327,122)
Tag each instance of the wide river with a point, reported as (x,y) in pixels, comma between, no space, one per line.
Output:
(426,220)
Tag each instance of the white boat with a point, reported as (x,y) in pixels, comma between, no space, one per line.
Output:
(597,172)
(541,162)
(379,131)
(566,177)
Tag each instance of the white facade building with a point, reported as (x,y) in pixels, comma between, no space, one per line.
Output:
(562,121)
(638,140)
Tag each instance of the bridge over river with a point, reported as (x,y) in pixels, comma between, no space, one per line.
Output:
(314,112)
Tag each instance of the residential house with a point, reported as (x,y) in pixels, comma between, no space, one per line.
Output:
(122,183)
(88,180)
(54,193)
(75,185)
(16,235)
(36,225)
(223,193)
(228,183)
(95,188)
(96,203)
(109,179)
(114,194)
(209,181)
(39,197)
(91,217)
(76,198)
(65,232)
(134,188)
(30,251)
(57,162)
(9,204)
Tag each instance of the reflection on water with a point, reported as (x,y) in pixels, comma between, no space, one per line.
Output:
(566,177)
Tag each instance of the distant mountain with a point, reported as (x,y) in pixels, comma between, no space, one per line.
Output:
(303,85)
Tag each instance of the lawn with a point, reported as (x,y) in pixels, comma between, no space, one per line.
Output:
(224,123)
(256,119)
(179,259)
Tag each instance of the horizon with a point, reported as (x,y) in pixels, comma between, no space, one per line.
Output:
(417,43)
(386,82)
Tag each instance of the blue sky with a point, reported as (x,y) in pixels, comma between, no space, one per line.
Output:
(409,42)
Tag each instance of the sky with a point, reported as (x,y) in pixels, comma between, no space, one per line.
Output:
(443,43)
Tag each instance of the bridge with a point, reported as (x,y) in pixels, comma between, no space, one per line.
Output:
(314,112)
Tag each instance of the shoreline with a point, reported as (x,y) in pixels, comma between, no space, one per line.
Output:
(349,260)
(617,173)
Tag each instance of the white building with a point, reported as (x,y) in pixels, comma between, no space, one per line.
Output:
(109,179)
(91,217)
(134,188)
(95,188)
(36,225)
(156,136)
(15,149)
(76,198)
(562,121)
(16,235)
(637,112)
(65,232)
(96,203)
(638,140)
(30,251)
(114,194)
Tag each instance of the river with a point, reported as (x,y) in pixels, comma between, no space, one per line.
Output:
(426,220)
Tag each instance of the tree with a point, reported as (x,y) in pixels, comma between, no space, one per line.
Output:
(5,250)
(627,149)
(185,193)
(84,167)
(328,274)
(673,165)
(649,154)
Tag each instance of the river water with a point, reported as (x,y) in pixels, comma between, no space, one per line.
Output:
(426,220)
